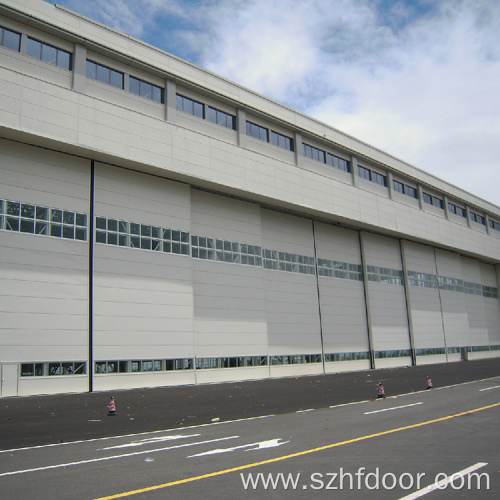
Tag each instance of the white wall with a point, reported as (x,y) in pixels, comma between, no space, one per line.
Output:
(143,300)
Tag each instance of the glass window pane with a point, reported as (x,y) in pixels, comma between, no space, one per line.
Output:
(198,110)
(112,239)
(55,215)
(221,118)
(34,48)
(80,234)
(49,54)
(133,84)
(42,213)
(178,102)
(11,224)
(13,208)
(27,226)
(146,90)
(157,94)
(69,232)
(102,74)
(212,115)
(41,228)
(27,211)
(27,370)
(112,225)
(116,79)
(11,40)
(81,220)
(63,59)
(91,70)
(55,230)
(68,217)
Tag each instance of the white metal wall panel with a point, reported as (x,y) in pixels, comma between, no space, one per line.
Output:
(387,302)
(229,301)
(291,298)
(143,303)
(343,308)
(491,305)
(475,304)
(43,279)
(453,304)
(424,302)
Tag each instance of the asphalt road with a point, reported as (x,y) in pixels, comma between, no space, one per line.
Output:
(38,420)
(384,449)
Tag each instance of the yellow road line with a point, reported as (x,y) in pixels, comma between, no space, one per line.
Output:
(293,455)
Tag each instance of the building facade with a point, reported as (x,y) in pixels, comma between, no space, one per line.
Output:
(160,225)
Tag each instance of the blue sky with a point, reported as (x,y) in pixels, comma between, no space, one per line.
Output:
(419,79)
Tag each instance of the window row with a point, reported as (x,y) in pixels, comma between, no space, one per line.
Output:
(35,219)
(433,200)
(450,284)
(230,362)
(477,218)
(295,359)
(34,48)
(384,275)
(107,75)
(262,133)
(48,53)
(394,353)
(455,209)
(137,366)
(425,280)
(55,368)
(342,270)
(371,175)
(494,225)
(144,236)
(324,157)
(347,356)
(479,348)
(196,108)
(404,189)
(225,251)
(430,351)
(291,262)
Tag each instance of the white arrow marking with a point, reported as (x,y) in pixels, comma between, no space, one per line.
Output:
(92,460)
(272,443)
(152,440)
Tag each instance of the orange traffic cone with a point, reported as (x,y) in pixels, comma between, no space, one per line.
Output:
(381,390)
(429,383)
(112,407)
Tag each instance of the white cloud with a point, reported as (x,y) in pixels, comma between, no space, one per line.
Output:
(427,93)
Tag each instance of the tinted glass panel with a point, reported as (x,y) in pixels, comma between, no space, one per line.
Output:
(33,48)
(11,40)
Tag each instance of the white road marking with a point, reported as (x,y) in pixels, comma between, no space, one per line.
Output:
(51,445)
(304,411)
(350,404)
(92,460)
(441,484)
(393,408)
(489,388)
(152,440)
(272,443)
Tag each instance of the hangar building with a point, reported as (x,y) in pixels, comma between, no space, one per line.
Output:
(160,225)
